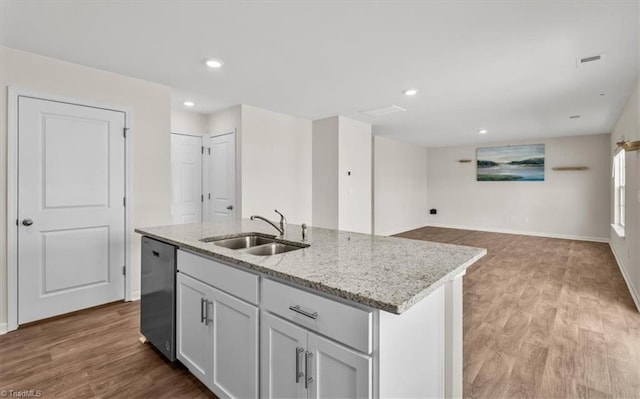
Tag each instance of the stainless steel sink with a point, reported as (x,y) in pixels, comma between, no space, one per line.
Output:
(255,244)
(273,248)
(243,242)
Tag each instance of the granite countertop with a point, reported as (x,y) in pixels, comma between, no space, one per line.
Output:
(386,273)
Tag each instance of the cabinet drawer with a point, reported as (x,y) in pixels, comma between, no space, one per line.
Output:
(341,322)
(224,277)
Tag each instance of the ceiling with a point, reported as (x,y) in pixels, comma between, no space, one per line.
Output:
(508,67)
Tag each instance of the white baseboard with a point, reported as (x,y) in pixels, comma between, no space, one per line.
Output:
(627,280)
(3,328)
(524,233)
(135,296)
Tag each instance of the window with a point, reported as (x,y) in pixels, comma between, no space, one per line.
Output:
(618,194)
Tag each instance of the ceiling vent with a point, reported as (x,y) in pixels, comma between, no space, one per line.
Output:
(392,109)
(589,59)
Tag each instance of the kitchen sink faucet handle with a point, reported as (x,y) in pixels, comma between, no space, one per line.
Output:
(304,231)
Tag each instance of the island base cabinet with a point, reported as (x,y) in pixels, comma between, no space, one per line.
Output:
(217,338)
(194,330)
(299,364)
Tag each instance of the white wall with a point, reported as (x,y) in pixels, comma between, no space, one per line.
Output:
(276,165)
(325,172)
(189,122)
(399,186)
(150,127)
(354,193)
(627,249)
(570,204)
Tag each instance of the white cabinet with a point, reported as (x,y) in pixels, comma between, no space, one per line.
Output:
(297,363)
(217,338)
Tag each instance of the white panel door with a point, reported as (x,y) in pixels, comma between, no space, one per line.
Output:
(222,177)
(186,179)
(282,357)
(235,347)
(71,227)
(337,371)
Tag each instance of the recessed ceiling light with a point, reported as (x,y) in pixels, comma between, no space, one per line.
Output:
(574,116)
(213,63)
(189,103)
(410,92)
(483,131)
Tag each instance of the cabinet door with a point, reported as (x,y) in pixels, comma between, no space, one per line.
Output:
(235,347)
(337,371)
(282,350)
(194,332)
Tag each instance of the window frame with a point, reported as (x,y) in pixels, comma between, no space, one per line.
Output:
(619,193)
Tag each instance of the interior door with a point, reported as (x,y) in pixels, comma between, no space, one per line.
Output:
(71,226)
(282,357)
(222,180)
(186,178)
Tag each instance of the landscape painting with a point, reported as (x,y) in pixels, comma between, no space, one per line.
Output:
(511,163)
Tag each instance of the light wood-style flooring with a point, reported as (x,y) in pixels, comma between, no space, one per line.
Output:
(545,318)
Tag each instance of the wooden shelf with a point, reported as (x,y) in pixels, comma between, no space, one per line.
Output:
(566,168)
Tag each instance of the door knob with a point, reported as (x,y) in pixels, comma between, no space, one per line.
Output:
(27,222)
(230,207)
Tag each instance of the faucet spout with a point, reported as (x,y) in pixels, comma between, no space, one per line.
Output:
(281,231)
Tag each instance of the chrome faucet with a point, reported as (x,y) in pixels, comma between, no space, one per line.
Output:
(283,222)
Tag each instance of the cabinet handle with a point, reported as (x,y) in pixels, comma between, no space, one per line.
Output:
(307,380)
(299,373)
(156,254)
(207,319)
(203,316)
(310,315)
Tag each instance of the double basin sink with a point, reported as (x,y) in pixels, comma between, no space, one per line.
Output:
(256,244)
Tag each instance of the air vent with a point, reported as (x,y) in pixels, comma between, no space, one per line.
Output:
(392,109)
(589,59)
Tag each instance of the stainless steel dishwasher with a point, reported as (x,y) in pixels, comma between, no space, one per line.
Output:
(158,295)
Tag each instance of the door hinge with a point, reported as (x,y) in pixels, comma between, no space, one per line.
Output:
(124,270)
(124,132)
(124,201)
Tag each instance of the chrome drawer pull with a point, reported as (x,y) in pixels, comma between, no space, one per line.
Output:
(297,309)
(203,317)
(299,373)
(307,380)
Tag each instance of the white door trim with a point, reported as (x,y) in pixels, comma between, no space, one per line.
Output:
(12,198)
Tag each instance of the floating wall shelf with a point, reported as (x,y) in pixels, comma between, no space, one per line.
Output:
(565,168)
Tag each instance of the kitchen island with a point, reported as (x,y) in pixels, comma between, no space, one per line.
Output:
(349,315)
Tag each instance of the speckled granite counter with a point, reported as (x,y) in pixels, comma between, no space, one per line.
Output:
(387,273)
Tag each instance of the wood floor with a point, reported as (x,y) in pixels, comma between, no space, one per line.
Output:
(544,318)
(93,353)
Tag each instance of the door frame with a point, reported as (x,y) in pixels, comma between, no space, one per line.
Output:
(12,189)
